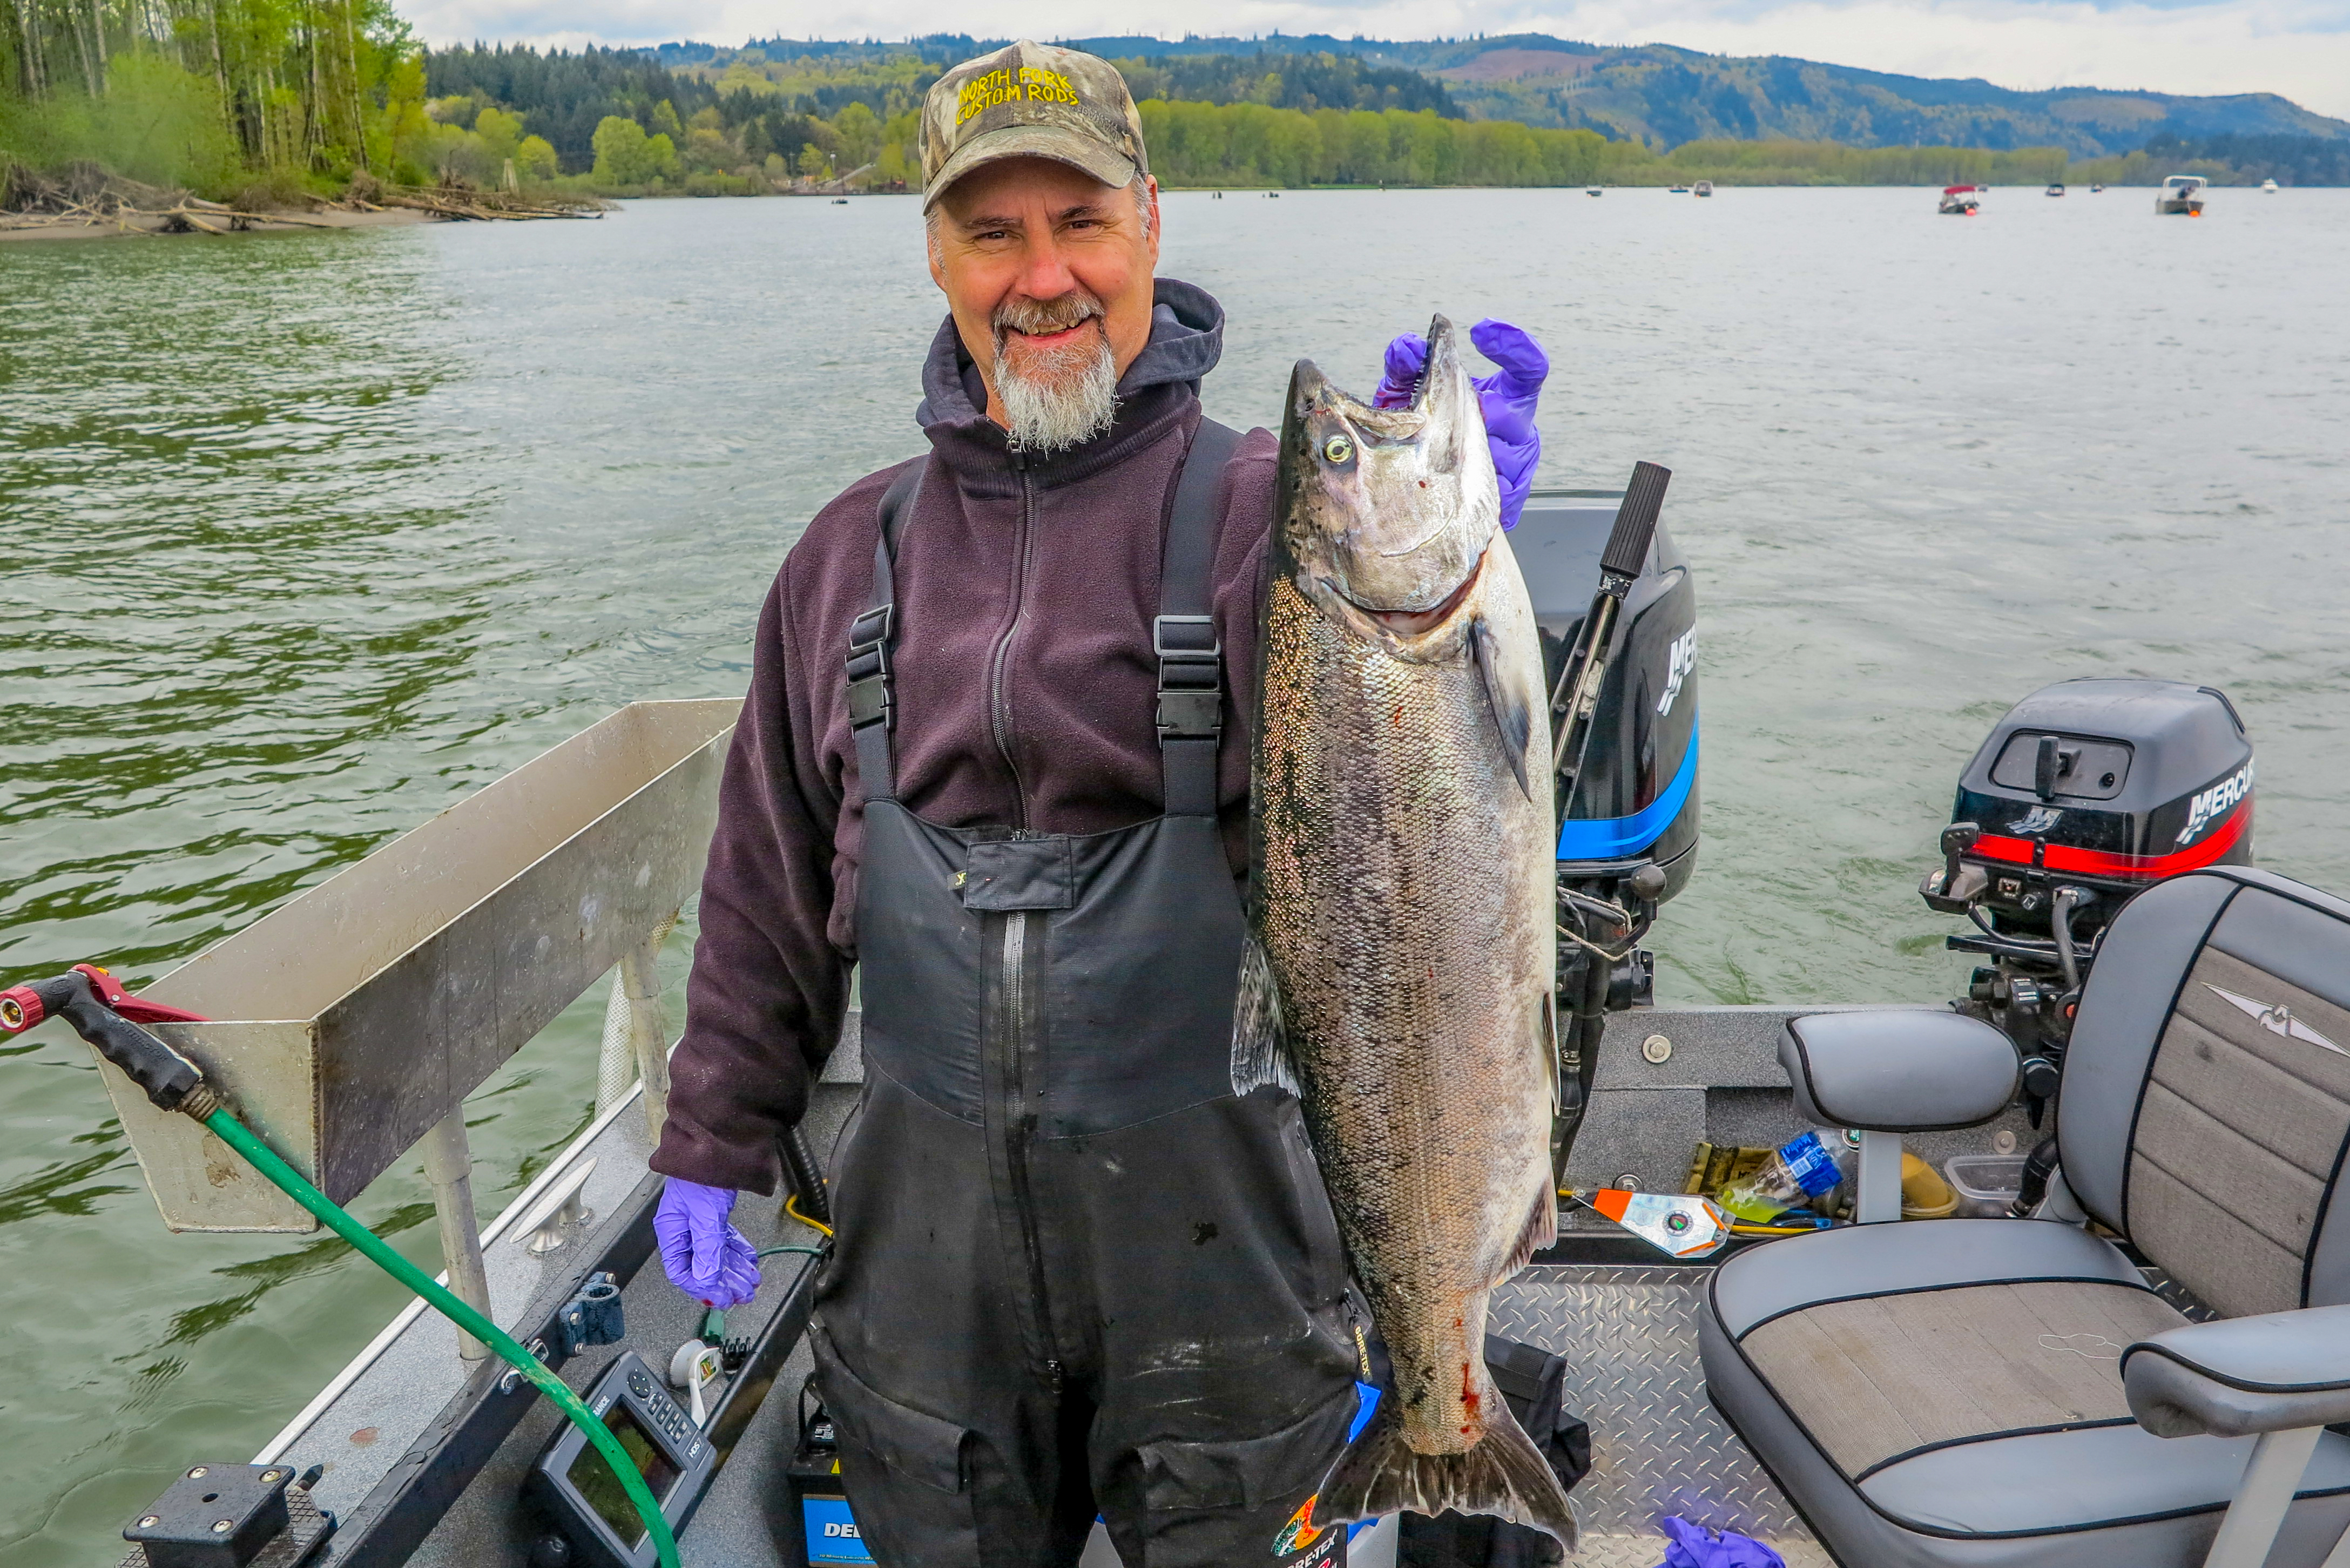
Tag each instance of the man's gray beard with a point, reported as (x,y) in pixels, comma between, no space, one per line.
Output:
(1076,402)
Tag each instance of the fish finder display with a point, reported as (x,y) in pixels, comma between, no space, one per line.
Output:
(601,1490)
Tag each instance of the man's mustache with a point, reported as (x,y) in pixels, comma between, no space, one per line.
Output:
(1040,318)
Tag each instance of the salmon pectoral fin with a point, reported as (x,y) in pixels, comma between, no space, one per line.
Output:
(1505,1476)
(1260,1046)
(1542,1230)
(1510,713)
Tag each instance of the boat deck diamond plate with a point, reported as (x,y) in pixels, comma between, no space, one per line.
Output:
(1658,1446)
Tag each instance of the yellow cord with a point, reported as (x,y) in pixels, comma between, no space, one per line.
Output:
(791,1206)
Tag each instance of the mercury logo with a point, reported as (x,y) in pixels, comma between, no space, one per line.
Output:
(2276,1018)
(2215,803)
(1683,659)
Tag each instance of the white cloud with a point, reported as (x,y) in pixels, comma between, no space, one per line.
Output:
(2299,48)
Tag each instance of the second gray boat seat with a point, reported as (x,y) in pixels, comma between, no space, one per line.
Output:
(2012,1392)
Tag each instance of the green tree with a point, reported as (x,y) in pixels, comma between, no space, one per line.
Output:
(623,154)
(502,131)
(665,120)
(535,159)
(861,135)
(812,161)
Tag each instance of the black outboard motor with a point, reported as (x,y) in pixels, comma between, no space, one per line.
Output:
(2087,793)
(1628,830)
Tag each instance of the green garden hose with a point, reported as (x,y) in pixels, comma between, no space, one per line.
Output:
(240,1137)
(101,1013)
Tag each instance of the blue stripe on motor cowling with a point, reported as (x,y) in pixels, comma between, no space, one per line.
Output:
(1614,837)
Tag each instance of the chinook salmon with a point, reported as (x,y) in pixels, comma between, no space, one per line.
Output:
(1402,959)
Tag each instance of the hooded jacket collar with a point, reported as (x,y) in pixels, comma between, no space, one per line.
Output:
(1160,388)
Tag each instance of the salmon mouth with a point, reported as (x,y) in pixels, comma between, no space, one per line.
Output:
(1416,623)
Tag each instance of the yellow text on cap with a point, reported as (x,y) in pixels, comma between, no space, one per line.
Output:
(982,93)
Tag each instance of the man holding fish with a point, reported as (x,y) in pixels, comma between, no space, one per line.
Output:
(1090,724)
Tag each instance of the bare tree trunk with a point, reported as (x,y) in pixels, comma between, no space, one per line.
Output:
(358,101)
(98,39)
(313,135)
(81,46)
(220,71)
(22,21)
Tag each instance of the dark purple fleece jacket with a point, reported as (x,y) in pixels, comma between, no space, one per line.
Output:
(1046,568)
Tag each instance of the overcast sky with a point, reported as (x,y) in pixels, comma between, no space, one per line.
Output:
(2297,48)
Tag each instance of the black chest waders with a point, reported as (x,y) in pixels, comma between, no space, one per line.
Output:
(1076,1273)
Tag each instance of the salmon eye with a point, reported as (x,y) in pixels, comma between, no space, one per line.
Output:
(1337,448)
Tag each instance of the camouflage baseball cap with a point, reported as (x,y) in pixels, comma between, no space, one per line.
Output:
(1031,100)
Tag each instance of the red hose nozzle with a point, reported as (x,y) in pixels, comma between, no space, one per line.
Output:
(20,1009)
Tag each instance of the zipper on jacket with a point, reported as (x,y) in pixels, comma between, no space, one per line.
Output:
(999,701)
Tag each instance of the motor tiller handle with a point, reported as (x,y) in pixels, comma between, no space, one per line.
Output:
(1635,521)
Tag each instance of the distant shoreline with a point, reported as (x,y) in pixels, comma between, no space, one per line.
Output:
(113,229)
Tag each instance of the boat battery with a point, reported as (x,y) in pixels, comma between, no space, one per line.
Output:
(818,1505)
(585,1499)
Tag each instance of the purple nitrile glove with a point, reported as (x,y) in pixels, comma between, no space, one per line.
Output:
(1695,1546)
(704,1255)
(1507,396)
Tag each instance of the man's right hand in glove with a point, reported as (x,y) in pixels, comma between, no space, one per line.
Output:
(702,1252)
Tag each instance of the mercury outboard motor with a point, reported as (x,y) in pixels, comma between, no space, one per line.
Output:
(2086,794)
(1618,612)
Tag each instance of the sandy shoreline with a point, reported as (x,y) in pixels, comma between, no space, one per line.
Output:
(153,228)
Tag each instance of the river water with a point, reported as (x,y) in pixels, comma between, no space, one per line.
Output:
(307,536)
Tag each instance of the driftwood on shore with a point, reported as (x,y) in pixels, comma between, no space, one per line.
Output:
(83,195)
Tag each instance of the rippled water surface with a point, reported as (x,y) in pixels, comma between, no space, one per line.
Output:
(307,536)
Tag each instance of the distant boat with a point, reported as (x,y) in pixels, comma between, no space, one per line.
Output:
(2056,188)
(1960,201)
(1679,190)
(2097,190)
(1591,191)
(2270,186)
(2181,196)
(1704,188)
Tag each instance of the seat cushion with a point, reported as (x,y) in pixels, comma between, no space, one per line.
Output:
(1880,1379)
(1950,1391)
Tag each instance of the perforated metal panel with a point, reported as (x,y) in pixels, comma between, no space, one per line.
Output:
(1657,1447)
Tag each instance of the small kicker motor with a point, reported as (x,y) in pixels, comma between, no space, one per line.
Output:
(2086,794)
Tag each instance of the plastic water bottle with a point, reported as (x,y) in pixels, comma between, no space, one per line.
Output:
(1798,1171)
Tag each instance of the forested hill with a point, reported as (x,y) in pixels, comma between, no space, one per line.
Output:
(1665,95)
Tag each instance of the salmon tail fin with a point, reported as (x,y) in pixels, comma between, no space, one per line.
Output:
(1505,1475)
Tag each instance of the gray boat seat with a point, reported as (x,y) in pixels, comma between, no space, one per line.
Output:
(1952,1391)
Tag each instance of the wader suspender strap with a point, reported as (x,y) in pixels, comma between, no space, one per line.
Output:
(872,709)
(1190,656)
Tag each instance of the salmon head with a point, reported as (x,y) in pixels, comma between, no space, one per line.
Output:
(1385,514)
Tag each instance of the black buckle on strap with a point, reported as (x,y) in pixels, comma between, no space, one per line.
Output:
(869,701)
(1190,676)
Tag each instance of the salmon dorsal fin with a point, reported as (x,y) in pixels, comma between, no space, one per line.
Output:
(1260,1047)
(1511,714)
